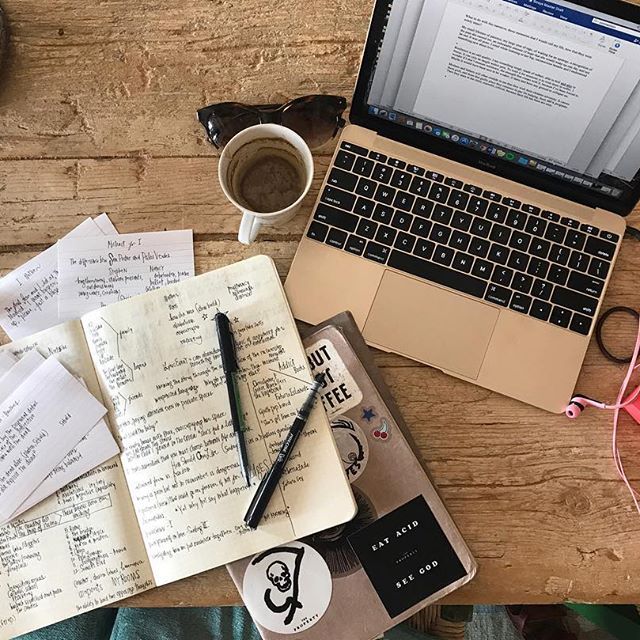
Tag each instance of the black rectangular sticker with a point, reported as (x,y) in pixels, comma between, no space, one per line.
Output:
(407,556)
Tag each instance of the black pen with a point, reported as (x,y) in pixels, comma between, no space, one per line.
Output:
(230,368)
(269,483)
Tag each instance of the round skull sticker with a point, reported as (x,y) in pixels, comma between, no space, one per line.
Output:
(287,589)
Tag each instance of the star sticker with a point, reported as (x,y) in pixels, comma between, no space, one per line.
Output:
(368,414)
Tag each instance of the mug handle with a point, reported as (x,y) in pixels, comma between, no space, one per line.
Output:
(249,228)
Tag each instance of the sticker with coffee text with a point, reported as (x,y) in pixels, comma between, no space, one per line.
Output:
(287,589)
(352,445)
(339,392)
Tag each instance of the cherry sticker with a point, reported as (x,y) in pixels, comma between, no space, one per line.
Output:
(382,432)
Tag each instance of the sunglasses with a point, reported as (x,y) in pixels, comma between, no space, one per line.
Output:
(317,119)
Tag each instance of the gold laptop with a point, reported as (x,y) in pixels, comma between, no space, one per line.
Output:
(473,210)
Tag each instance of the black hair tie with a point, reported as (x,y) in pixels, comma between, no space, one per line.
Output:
(599,326)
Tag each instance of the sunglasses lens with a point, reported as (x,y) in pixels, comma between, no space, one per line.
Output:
(226,120)
(315,120)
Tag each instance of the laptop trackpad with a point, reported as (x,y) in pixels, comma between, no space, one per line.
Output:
(429,324)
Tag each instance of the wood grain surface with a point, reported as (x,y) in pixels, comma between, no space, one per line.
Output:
(97,113)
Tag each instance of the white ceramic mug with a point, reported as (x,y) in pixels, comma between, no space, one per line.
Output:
(243,149)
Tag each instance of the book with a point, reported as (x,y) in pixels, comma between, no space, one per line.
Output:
(172,504)
(401,552)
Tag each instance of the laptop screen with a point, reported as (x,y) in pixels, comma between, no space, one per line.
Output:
(552,87)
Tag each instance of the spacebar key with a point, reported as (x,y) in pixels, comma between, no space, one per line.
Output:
(437,274)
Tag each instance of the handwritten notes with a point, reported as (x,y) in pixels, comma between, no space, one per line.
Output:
(96,447)
(29,294)
(95,272)
(40,422)
(168,401)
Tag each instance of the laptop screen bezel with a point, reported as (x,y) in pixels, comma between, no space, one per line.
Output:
(360,116)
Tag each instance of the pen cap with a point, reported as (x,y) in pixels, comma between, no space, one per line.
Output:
(227,343)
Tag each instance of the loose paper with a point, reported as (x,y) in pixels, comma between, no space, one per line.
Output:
(40,422)
(95,272)
(96,447)
(6,362)
(29,294)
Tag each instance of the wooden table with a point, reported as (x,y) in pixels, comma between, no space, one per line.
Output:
(97,113)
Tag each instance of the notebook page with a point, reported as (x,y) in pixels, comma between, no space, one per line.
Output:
(81,548)
(157,359)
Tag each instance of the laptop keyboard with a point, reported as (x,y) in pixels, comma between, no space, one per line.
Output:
(458,235)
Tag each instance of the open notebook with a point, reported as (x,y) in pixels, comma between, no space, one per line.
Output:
(172,504)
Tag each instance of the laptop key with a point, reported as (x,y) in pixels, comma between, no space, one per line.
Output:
(401,179)
(386,235)
(479,247)
(458,199)
(492,195)
(539,248)
(398,164)
(522,282)
(382,173)
(384,194)
(420,186)
(438,192)
(364,207)
(574,301)
(349,146)
(336,238)
(578,261)
(335,217)
(403,201)
(376,252)
(560,317)
(500,234)
(540,309)
(600,248)
(482,269)
(402,220)
(460,240)
(498,295)
(480,227)
(435,176)
(423,207)
(519,241)
(477,206)
(462,262)
(511,202)
(518,260)
(550,215)
(377,156)
(520,302)
(366,187)
(382,213)
(530,208)
(497,212)
(405,242)
(538,267)
(585,284)
(443,255)
(590,229)
(498,254)
(558,275)
(608,235)
(555,232)
(363,166)
(570,222)
(440,234)
(416,170)
(472,188)
(559,255)
(442,214)
(424,248)
(342,179)
(421,227)
(367,229)
(541,289)
(317,231)
(461,220)
(438,274)
(502,276)
(355,245)
(344,160)
(575,240)
(452,182)
(338,198)
(536,226)
(580,324)
(598,268)
(517,219)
